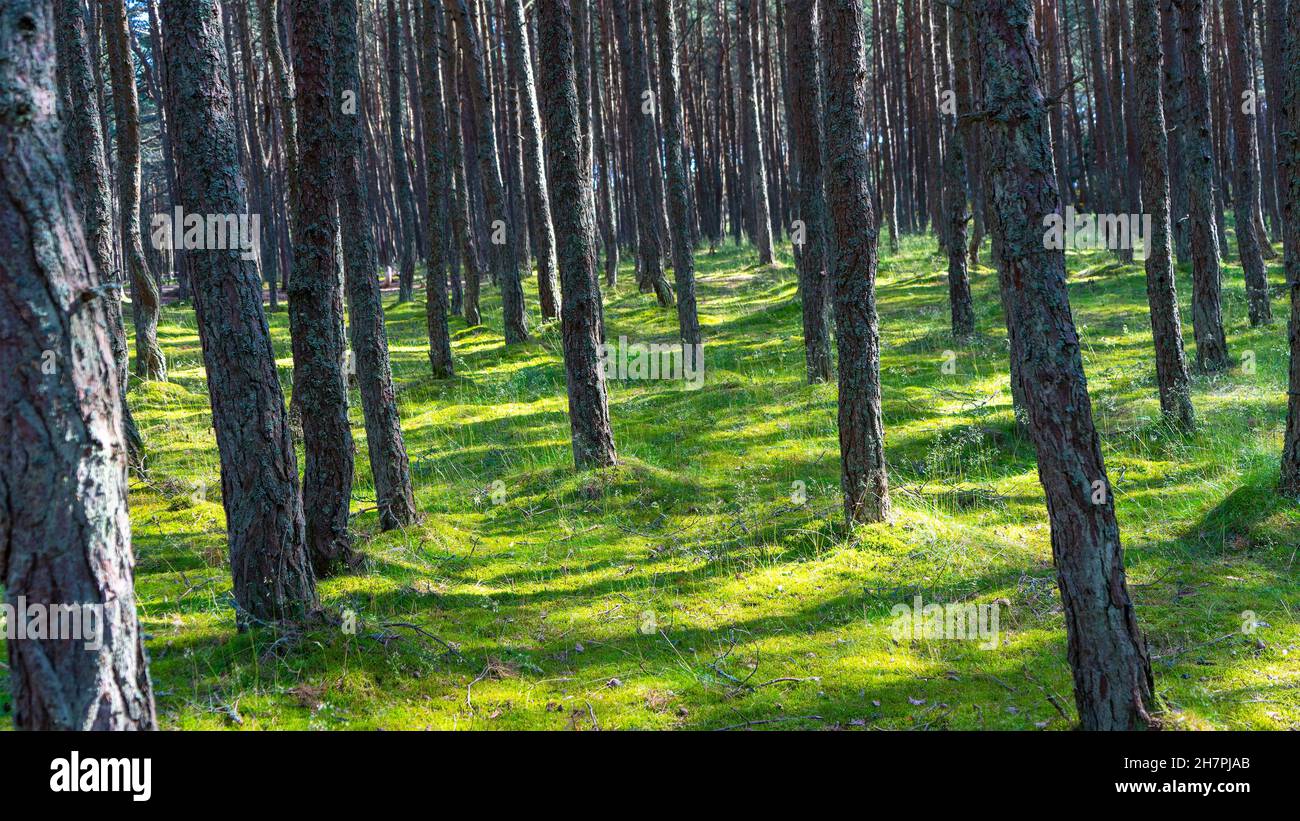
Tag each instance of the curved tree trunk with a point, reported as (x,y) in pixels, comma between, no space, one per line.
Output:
(439,190)
(753,138)
(63,543)
(259,477)
(575,233)
(145,298)
(1112,673)
(863,475)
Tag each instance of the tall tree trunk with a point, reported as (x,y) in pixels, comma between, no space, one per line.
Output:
(259,478)
(407,231)
(461,226)
(954,183)
(1162,293)
(1207,308)
(389,464)
(810,189)
(679,205)
(65,537)
(1245,195)
(83,142)
(539,200)
(145,297)
(753,137)
(1288,154)
(575,233)
(603,151)
(480,102)
(853,232)
(439,192)
(315,322)
(1112,673)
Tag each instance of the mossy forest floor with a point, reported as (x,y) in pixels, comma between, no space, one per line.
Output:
(708,581)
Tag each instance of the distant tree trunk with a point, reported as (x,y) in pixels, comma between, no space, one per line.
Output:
(407,230)
(315,324)
(1112,673)
(575,233)
(810,189)
(1245,194)
(84,143)
(1288,154)
(259,478)
(282,82)
(1175,97)
(480,101)
(1162,294)
(389,464)
(458,196)
(679,198)
(145,298)
(603,150)
(1207,308)
(853,241)
(539,199)
(438,189)
(65,538)
(954,185)
(753,138)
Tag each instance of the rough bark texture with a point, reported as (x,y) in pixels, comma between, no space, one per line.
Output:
(459,196)
(65,537)
(145,298)
(1245,186)
(853,242)
(389,464)
(575,233)
(1288,154)
(315,322)
(954,195)
(1207,308)
(439,192)
(753,138)
(480,101)
(407,231)
(679,203)
(259,478)
(810,189)
(283,83)
(83,141)
(1112,673)
(1162,293)
(539,198)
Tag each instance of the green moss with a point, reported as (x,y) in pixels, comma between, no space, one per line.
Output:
(688,587)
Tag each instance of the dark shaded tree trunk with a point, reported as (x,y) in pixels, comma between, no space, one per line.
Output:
(1207,307)
(539,199)
(810,190)
(259,478)
(1175,98)
(83,142)
(1112,673)
(65,538)
(575,233)
(954,182)
(145,297)
(458,196)
(315,321)
(1288,155)
(480,101)
(407,230)
(282,82)
(1245,194)
(439,192)
(389,464)
(853,241)
(753,138)
(679,197)
(1162,293)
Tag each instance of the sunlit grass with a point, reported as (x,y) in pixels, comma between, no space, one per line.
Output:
(708,581)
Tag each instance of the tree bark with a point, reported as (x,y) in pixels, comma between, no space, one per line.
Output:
(954,188)
(575,232)
(1162,293)
(1288,154)
(65,537)
(753,138)
(853,238)
(1112,673)
(259,478)
(459,193)
(439,191)
(407,230)
(145,298)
